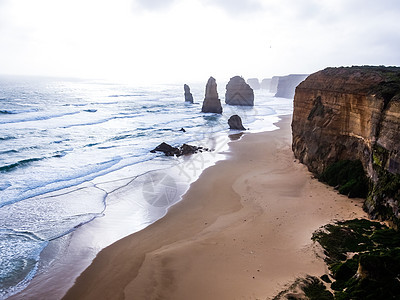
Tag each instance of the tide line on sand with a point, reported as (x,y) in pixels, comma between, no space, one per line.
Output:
(243,230)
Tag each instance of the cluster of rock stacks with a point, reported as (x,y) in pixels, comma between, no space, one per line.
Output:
(353,114)
(188,94)
(238,92)
(211,103)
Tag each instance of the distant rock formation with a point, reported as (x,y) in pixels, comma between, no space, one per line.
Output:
(265,84)
(235,122)
(287,85)
(353,114)
(254,83)
(188,94)
(273,87)
(211,103)
(238,92)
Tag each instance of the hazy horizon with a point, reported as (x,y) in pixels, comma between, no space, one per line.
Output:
(148,41)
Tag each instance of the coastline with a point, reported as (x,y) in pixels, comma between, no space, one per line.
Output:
(242,230)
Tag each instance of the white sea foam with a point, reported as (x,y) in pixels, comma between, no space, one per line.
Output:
(65,146)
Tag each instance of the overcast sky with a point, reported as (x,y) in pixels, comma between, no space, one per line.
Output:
(189,40)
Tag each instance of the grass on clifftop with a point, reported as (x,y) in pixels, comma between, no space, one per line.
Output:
(363,257)
(348,176)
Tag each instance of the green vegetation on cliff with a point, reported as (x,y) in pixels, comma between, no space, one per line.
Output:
(348,176)
(363,257)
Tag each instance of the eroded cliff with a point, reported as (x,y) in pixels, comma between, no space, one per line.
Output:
(353,114)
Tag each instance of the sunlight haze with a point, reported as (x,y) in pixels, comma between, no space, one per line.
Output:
(190,40)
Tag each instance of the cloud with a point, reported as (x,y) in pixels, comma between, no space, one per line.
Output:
(152,5)
(236,7)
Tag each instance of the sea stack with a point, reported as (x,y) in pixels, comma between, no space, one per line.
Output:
(235,122)
(188,94)
(211,103)
(254,83)
(238,92)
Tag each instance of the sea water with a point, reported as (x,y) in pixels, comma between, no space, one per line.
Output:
(66,145)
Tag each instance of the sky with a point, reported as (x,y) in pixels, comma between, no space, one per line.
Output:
(148,41)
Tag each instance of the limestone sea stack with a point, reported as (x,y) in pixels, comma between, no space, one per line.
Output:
(238,92)
(265,83)
(353,114)
(235,122)
(188,94)
(211,103)
(254,83)
(287,85)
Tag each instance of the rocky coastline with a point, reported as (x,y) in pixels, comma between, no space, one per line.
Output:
(353,114)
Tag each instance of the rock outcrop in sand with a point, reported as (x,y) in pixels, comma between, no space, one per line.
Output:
(188,94)
(353,114)
(235,122)
(211,103)
(238,92)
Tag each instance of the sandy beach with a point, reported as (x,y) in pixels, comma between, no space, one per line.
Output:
(242,231)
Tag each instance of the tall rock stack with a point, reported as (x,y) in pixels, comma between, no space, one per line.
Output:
(238,92)
(188,94)
(211,103)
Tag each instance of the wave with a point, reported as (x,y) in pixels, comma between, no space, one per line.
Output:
(8,151)
(5,138)
(6,112)
(38,118)
(18,164)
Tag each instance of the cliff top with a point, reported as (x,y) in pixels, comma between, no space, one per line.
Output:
(379,80)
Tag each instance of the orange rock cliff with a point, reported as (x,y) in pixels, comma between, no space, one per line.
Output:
(353,113)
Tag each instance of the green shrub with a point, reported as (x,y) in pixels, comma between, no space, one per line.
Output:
(348,176)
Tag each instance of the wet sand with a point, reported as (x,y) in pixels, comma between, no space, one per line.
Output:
(242,231)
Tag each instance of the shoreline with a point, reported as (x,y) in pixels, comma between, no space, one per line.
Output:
(242,230)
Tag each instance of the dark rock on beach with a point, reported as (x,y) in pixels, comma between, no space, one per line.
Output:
(167,149)
(238,92)
(235,122)
(188,94)
(211,103)
(185,149)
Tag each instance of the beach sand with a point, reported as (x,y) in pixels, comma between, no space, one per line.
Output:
(242,231)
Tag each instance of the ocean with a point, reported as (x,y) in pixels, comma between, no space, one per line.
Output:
(74,151)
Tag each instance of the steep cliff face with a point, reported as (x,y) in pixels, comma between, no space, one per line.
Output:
(353,114)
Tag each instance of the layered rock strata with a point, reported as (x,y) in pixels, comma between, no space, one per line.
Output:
(238,92)
(211,103)
(353,114)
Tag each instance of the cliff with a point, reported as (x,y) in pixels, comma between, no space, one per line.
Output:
(353,114)
(287,85)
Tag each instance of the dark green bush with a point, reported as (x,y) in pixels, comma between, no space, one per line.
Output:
(348,176)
